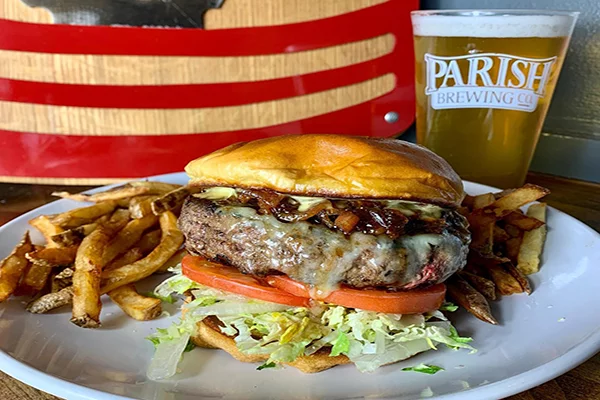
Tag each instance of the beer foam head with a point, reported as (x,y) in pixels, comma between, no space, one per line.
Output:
(491,26)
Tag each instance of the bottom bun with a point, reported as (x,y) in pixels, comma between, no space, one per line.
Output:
(208,337)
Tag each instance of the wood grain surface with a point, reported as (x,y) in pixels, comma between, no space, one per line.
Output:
(173,70)
(91,121)
(580,199)
(233,13)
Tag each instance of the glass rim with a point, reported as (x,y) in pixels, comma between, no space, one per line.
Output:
(495,13)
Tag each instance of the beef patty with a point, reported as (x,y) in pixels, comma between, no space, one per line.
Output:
(257,244)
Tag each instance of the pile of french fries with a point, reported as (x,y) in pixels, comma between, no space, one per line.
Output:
(128,234)
(506,246)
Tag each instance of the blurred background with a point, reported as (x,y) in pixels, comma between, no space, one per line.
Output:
(86,100)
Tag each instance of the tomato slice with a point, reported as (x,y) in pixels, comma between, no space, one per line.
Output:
(229,279)
(416,301)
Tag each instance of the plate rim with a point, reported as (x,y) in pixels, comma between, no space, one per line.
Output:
(577,355)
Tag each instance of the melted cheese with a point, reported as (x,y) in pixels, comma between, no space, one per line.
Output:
(322,258)
(306,203)
(217,193)
(408,208)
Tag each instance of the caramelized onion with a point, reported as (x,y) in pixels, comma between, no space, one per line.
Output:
(346,221)
(267,199)
(347,216)
(325,217)
(293,215)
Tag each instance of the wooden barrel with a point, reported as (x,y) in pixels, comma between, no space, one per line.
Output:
(95,104)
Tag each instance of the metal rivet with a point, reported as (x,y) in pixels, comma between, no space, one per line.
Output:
(391,117)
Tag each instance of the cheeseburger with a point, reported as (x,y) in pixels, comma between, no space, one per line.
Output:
(317,250)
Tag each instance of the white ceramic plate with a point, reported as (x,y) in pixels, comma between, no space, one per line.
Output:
(541,337)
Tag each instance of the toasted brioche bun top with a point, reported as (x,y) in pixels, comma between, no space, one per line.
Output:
(334,166)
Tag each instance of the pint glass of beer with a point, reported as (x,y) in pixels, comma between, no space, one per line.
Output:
(484,80)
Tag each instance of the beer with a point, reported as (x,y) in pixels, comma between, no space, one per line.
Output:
(484,83)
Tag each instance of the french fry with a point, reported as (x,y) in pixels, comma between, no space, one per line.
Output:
(173,200)
(519,277)
(141,206)
(126,191)
(124,203)
(149,241)
(127,237)
(503,193)
(516,199)
(512,231)
(504,281)
(466,296)
(117,193)
(468,201)
(51,301)
(84,215)
(482,232)
(135,305)
(484,261)
(500,235)
(528,259)
(512,248)
(88,270)
(13,267)
(156,187)
(74,236)
(523,222)
(129,257)
(65,273)
(171,240)
(474,268)
(119,218)
(43,224)
(34,280)
(62,280)
(51,257)
(464,211)
(483,200)
(483,285)
(172,262)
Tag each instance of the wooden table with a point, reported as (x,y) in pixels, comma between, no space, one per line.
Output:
(580,199)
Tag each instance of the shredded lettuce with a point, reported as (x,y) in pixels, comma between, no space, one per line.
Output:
(170,344)
(283,333)
(448,306)
(424,368)
(189,347)
(167,299)
(178,284)
(266,365)
(341,345)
